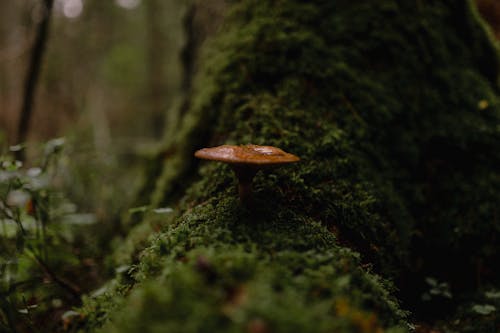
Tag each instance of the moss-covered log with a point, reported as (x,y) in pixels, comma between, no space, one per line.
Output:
(392,107)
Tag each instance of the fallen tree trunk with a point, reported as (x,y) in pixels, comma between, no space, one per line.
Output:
(392,107)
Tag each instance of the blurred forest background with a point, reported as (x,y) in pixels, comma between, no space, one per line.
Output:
(113,78)
(111,69)
(109,72)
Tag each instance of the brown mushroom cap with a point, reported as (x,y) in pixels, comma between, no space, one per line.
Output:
(247,155)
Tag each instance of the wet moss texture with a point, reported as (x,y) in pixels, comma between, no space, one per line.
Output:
(392,107)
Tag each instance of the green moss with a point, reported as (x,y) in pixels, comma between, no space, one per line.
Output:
(396,119)
(383,109)
(126,250)
(221,269)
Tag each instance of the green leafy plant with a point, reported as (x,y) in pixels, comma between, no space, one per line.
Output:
(38,225)
(436,289)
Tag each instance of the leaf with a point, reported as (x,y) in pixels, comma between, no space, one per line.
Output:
(484,309)
(17,198)
(27,309)
(33,172)
(68,314)
(12,165)
(122,269)
(431,281)
(492,294)
(16,148)
(7,175)
(140,209)
(54,146)
(164,210)
(80,219)
(8,228)
(99,292)
(343,281)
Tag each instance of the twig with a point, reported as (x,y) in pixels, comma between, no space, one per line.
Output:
(73,289)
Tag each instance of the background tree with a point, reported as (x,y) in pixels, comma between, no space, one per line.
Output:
(34,71)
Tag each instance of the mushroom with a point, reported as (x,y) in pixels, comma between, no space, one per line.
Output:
(246,160)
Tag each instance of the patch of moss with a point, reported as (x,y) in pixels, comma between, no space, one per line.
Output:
(391,108)
(223,269)
(379,112)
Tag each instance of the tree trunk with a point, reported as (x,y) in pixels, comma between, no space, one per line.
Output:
(395,117)
(33,74)
(156,71)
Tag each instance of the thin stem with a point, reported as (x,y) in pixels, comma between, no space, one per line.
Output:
(73,289)
(245,193)
(30,317)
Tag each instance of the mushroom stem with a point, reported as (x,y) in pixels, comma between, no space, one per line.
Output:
(245,192)
(245,176)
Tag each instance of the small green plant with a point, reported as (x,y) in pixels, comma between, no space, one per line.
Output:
(436,289)
(37,235)
(483,309)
